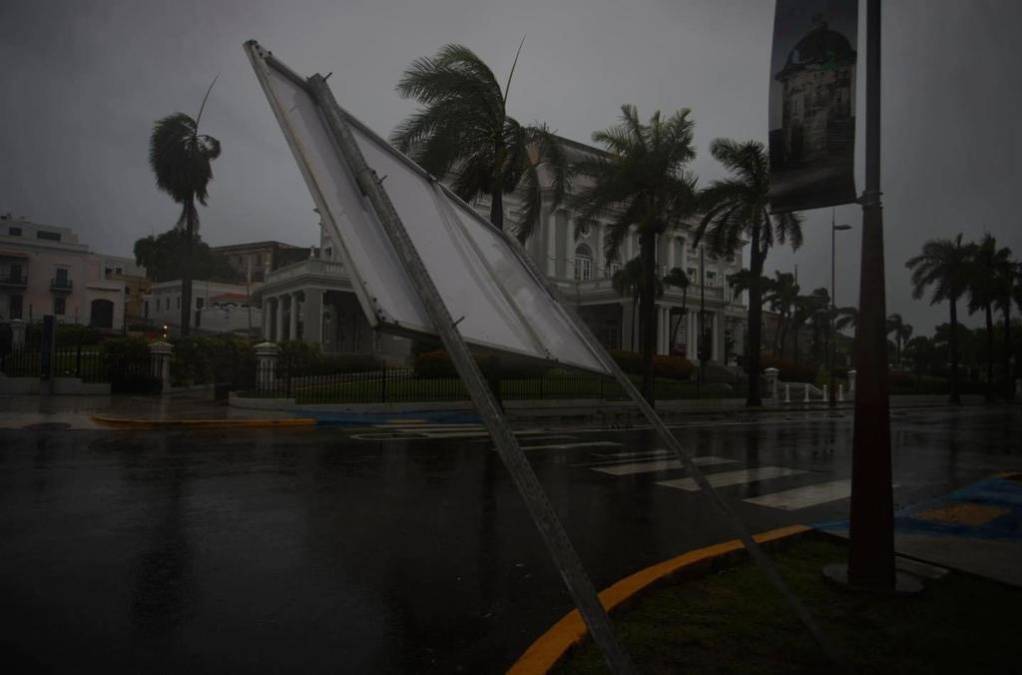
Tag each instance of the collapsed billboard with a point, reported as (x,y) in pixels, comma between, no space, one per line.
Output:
(812,104)
(499,300)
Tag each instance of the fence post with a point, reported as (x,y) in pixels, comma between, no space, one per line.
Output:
(787,392)
(851,384)
(266,365)
(805,388)
(383,382)
(826,393)
(841,393)
(771,377)
(159,360)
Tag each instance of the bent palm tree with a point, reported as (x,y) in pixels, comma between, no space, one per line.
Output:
(640,183)
(677,278)
(944,265)
(627,281)
(902,332)
(1008,276)
(737,208)
(180,157)
(983,290)
(463,131)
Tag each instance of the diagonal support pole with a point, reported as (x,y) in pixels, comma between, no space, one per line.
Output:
(543,515)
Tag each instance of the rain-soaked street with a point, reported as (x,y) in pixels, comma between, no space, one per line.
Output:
(405,549)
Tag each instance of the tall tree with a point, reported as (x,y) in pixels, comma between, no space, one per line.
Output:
(1007,278)
(984,287)
(641,184)
(737,209)
(944,264)
(181,159)
(164,256)
(902,332)
(677,278)
(781,295)
(463,130)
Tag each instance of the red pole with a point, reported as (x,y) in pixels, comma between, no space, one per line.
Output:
(871,557)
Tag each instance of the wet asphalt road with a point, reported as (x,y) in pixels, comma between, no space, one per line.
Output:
(314,551)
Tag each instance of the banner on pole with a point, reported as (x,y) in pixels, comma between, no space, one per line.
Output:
(812,104)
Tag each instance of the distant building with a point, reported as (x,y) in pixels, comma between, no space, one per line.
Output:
(257,259)
(217,307)
(313,300)
(45,270)
(136,286)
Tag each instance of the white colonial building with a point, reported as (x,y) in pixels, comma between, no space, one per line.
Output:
(312,300)
(217,307)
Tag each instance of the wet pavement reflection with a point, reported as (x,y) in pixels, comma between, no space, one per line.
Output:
(310,551)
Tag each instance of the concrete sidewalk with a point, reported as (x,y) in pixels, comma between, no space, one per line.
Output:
(977,530)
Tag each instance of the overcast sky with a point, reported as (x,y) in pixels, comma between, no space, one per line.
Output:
(84,80)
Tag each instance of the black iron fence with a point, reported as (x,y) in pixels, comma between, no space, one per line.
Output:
(402,385)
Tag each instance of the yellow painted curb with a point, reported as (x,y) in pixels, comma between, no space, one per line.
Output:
(207,424)
(543,654)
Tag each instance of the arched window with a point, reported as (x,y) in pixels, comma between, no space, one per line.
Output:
(583,263)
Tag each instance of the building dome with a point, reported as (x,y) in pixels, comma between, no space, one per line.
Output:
(820,46)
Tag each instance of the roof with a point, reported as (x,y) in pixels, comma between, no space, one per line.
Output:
(229,297)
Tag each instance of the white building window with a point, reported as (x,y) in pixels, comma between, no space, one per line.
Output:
(583,263)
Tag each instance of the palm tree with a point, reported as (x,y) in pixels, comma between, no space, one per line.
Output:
(463,131)
(781,295)
(902,332)
(640,183)
(944,264)
(847,318)
(1006,283)
(180,157)
(984,287)
(737,208)
(677,278)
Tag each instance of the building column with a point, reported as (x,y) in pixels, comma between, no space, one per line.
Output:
(278,330)
(626,325)
(718,338)
(265,325)
(693,337)
(312,317)
(293,326)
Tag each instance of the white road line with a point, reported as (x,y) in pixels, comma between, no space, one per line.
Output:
(565,446)
(803,497)
(727,478)
(657,465)
(426,425)
(629,455)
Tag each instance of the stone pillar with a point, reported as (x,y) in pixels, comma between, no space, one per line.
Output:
(312,317)
(265,332)
(771,377)
(293,328)
(159,361)
(18,328)
(266,364)
(693,337)
(851,384)
(278,329)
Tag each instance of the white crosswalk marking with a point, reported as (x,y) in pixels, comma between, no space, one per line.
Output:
(566,446)
(632,455)
(657,465)
(806,496)
(726,478)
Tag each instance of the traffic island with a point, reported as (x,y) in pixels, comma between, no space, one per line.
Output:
(729,619)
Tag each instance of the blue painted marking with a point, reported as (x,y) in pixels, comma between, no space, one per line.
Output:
(996,492)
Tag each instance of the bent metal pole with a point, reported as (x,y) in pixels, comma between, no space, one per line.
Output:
(561,550)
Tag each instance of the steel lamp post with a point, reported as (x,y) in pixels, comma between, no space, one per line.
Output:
(834,229)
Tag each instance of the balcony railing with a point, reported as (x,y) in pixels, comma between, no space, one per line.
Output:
(14,280)
(60,285)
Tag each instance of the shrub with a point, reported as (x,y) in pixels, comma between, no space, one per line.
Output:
(673,367)
(437,364)
(790,371)
(207,360)
(128,366)
(302,358)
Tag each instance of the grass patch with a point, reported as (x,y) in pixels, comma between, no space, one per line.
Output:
(733,621)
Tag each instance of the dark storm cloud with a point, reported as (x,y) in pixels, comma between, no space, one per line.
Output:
(83,82)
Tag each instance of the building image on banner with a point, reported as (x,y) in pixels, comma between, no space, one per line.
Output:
(812,104)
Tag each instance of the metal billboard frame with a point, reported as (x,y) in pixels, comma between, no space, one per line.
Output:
(562,552)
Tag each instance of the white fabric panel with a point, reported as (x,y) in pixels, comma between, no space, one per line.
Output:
(478,271)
